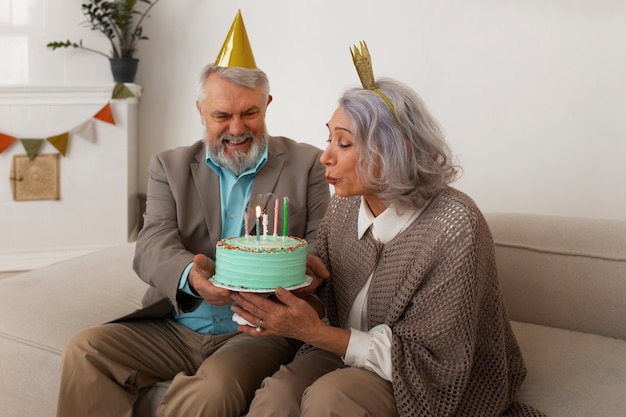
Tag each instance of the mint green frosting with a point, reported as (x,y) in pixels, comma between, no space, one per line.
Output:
(272,262)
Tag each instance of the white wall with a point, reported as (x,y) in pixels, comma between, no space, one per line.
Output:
(530,93)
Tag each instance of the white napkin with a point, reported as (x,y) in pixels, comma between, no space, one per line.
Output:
(241,321)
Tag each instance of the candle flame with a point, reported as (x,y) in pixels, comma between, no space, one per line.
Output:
(258,211)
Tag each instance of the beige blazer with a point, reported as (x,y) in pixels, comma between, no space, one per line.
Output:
(183,213)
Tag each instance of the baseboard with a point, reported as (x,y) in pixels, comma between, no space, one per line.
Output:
(26,261)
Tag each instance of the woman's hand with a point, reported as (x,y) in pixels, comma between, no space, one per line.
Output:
(289,316)
(203,269)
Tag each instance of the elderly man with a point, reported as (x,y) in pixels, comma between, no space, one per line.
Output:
(196,196)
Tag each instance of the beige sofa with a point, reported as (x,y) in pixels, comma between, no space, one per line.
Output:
(564,282)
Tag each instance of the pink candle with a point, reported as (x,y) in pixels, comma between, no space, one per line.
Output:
(276,217)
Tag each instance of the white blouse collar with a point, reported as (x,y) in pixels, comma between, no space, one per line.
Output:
(388,224)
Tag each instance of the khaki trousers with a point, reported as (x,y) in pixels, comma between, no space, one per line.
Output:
(318,383)
(213,375)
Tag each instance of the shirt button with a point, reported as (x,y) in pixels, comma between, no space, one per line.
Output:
(218,320)
(232,216)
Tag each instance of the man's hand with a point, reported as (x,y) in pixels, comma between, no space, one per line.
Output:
(199,275)
(316,269)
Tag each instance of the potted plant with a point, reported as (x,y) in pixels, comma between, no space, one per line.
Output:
(122,25)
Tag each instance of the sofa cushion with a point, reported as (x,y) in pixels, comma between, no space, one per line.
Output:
(562,271)
(42,309)
(572,373)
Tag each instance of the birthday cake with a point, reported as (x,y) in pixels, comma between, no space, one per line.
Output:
(264,264)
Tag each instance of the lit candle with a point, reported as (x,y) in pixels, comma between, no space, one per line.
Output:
(266,223)
(275,216)
(285,205)
(245,221)
(258,226)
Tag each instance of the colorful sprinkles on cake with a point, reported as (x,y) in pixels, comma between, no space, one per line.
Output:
(242,244)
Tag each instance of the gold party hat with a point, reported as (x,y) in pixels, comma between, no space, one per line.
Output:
(363,64)
(236,51)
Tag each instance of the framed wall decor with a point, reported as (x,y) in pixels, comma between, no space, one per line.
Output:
(36,179)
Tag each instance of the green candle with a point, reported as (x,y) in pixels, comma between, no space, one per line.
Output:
(285,206)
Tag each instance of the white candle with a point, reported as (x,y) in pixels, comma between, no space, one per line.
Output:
(265,224)
(258,227)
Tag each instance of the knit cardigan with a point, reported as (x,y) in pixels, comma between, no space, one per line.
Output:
(435,285)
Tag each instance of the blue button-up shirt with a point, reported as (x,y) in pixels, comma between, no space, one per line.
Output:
(234,196)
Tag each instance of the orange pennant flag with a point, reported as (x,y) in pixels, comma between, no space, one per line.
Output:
(6,141)
(60,142)
(105,114)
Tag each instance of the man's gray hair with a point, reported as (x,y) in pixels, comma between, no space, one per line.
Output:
(246,77)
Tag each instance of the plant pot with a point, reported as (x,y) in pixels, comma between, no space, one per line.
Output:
(124,69)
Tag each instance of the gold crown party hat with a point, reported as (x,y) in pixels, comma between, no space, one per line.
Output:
(236,51)
(363,64)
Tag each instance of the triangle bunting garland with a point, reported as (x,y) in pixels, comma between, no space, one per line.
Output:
(105,114)
(121,91)
(85,130)
(31,146)
(6,141)
(60,142)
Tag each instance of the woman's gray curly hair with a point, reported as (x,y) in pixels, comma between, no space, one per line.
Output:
(408,163)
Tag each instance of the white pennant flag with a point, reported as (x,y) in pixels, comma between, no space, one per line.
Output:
(86,131)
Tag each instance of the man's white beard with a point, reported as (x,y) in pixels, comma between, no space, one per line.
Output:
(239,161)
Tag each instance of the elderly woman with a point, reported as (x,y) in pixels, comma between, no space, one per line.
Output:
(416,325)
